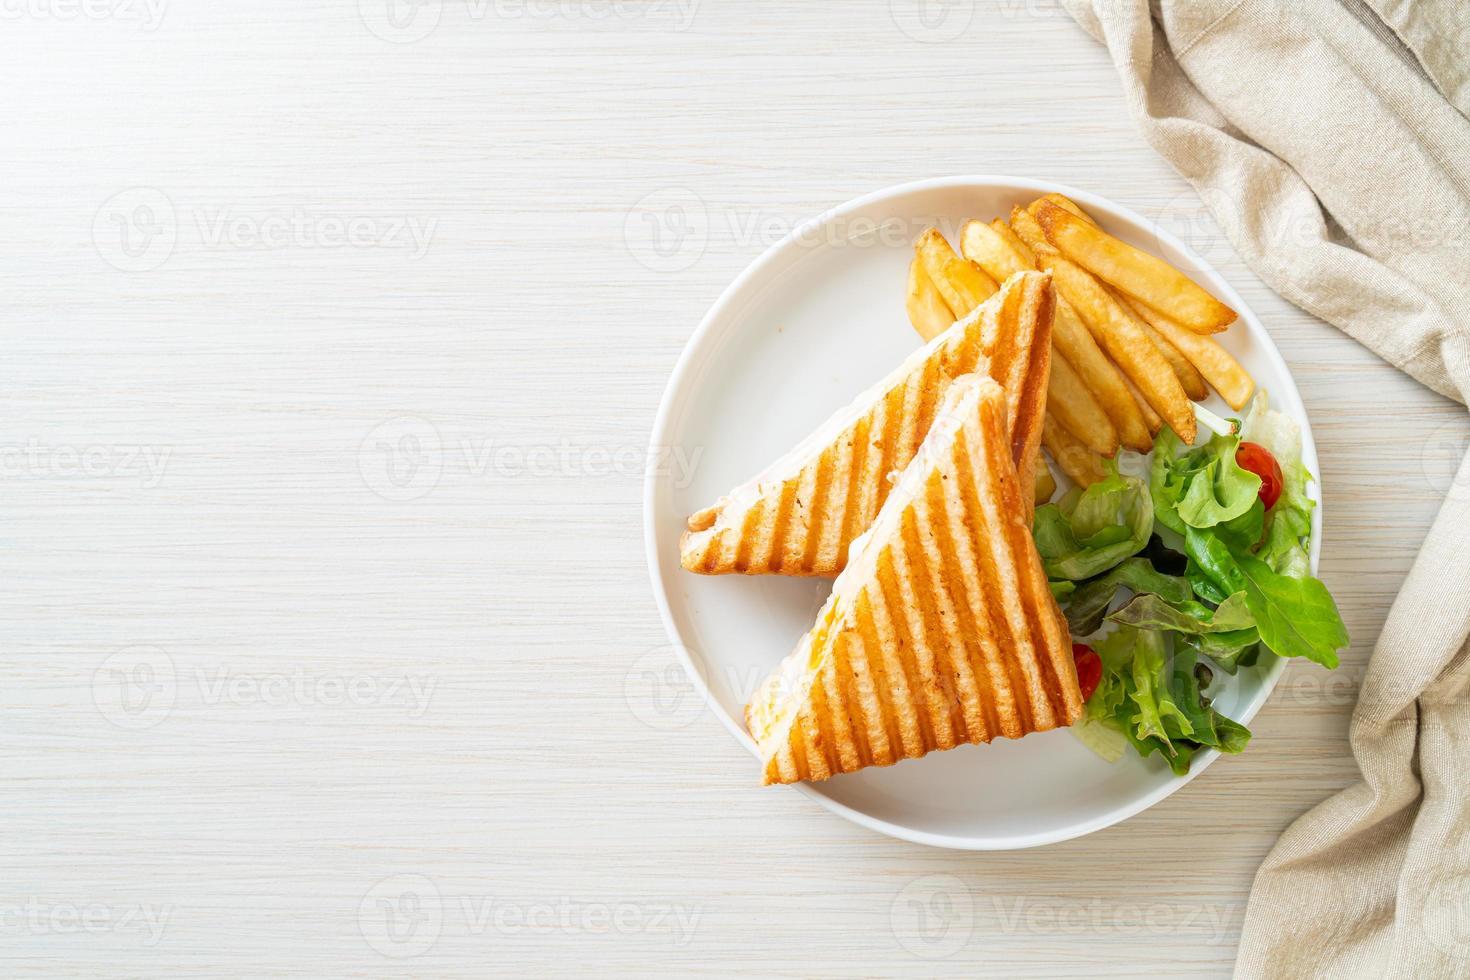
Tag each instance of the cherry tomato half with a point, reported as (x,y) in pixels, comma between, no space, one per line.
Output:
(1258,460)
(1089,668)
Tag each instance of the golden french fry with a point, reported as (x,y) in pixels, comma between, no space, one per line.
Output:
(1145,277)
(1064,202)
(1023,223)
(1189,377)
(1149,415)
(962,283)
(984,246)
(1119,333)
(1075,342)
(928,312)
(1222,371)
(1069,401)
(1014,241)
(1082,466)
(1046,485)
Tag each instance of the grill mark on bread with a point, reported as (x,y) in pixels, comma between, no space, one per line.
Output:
(1037,611)
(1037,617)
(843,743)
(966,566)
(941,623)
(818,507)
(1054,661)
(918,613)
(746,539)
(838,499)
(901,681)
(822,725)
(895,669)
(867,635)
(1001,568)
(875,733)
(856,519)
(896,619)
(1031,408)
(775,551)
(843,679)
(842,490)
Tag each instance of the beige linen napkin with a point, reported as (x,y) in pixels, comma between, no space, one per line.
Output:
(1330,140)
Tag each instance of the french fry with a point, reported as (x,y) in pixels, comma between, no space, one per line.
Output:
(1155,423)
(1014,241)
(1149,279)
(1076,343)
(1064,202)
(962,283)
(1189,377)
(1046,484)
(1082,466)
(1222,371)
(1070,402)
(983,245)
(1023,223)
(928,312)
(1119,333)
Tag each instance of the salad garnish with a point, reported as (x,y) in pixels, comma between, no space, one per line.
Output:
(1202,569)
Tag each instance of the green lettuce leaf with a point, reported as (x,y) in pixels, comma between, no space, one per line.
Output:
(1166,480)
(1088,532)
(1244,531)
(1089,602)
(1207,726)
(1296,616)
(1203,585)
(1157,613)
(1154,713)
(1229,651)
(1217,489)
(1157,704)
(1199,487)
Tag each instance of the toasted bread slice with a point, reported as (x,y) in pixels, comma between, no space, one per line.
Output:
(800,516)
(941,631)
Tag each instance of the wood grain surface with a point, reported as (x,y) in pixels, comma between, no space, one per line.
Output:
(334,334)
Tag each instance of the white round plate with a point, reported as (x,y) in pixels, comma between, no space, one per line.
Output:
(813,322)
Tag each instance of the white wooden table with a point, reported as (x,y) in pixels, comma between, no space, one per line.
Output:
(333,334)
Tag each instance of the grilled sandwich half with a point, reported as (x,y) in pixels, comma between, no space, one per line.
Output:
(800,516)
(941,631)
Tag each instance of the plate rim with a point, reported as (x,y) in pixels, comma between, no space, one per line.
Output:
(663,420)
